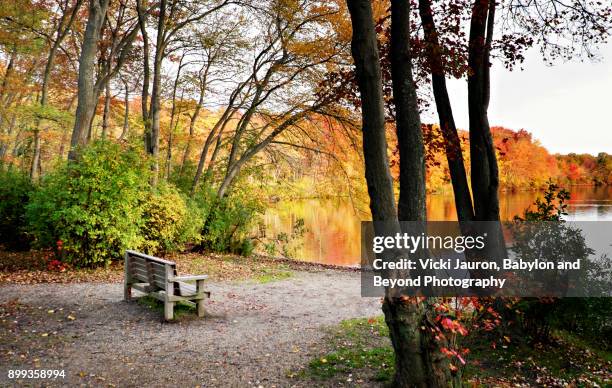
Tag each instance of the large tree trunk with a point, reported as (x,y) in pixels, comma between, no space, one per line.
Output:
(411,204)
(413,365)
(367,65)
(418,358)
(484,169)
(454,155)
(86,91)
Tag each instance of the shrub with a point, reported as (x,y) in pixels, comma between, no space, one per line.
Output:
(228,222)
(165,214)
(93,206)
(586,317)
(15,189)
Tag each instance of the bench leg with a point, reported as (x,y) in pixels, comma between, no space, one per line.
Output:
(127,292)
(169,311)
(200,302)
(200,307)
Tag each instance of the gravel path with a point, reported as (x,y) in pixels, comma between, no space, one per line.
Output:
(253,335)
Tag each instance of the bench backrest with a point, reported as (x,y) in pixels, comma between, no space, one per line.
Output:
(149,269)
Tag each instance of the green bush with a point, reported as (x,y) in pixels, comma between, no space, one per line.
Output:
(228,222)
(93,206)
(589,318)
(165,220)
(15,189)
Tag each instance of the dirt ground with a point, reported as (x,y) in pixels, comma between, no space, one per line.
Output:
(252,336)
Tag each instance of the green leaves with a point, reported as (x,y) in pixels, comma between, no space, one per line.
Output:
(93,206)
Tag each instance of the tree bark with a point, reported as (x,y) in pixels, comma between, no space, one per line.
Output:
(86,94)
(484,169)
(452,143)
(173,115)
(414,367)
(411,203)
(364,49)
(153,146)
(418,358)
(146,75)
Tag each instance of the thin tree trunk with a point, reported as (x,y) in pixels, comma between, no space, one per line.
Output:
(34,170)
(62,30)
(146,77)
(8,71)
(61,33)
(454,155)
(65,130)
(192,121)
(126,113)
(213,158)
(155,111)
(4,145)
(106,114)
(219,124)
(172,126)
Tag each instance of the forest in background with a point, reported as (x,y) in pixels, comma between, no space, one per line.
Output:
(197,112)
(186,119)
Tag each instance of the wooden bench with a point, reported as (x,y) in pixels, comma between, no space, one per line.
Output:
(158,278)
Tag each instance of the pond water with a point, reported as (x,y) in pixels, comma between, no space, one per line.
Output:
(332,226)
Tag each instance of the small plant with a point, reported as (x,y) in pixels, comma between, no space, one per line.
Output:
(552,208)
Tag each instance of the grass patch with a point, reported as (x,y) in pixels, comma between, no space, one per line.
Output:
(359,350)
(273,274)
(180,309)
(566,361)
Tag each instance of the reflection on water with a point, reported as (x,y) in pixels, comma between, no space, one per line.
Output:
(333,225)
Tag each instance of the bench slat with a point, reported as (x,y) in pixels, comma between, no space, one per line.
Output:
(150,258)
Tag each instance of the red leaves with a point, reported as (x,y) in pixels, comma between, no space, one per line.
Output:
(56,265)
